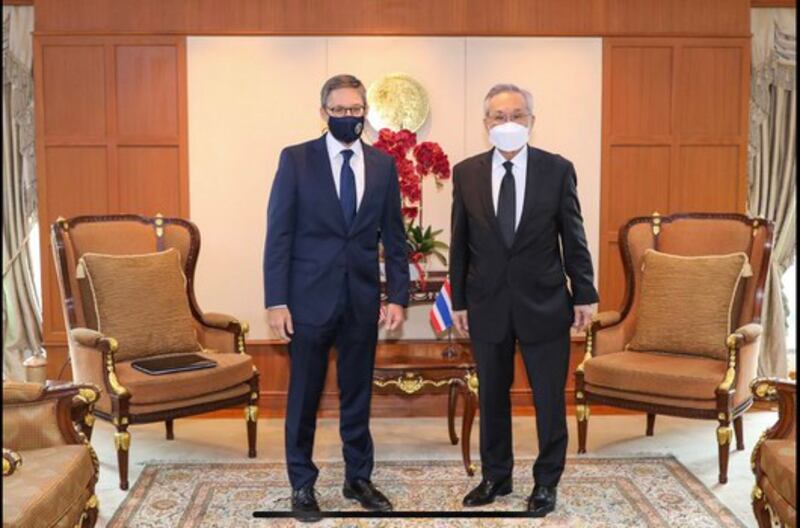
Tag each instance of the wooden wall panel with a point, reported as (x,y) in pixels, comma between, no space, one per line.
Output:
(641,90)
(76,182)
(147,91)
(74,91)
(397,17)
(674,135)
(709,91)
(147,180)
(708,179)
(110,138)
(633,168)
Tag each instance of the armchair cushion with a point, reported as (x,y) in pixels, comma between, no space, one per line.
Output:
(687,304)
(48,487)
(779,463)
(670,375)
(141,301)
(231,370)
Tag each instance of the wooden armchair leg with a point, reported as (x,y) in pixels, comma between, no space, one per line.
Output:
(651,423)
(724,434)
(122,443)
(251,417)
(170,429)
(582,415)
(739,430)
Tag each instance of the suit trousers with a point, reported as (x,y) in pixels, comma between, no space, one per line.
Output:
(308,357)
(547,364)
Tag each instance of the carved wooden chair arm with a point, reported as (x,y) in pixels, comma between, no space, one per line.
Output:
(11,461)
(785,393)
(222,332)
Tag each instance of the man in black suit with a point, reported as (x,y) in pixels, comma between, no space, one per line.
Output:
(517,230)
(333,199)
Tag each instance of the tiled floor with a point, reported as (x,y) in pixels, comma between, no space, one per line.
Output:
(690,441)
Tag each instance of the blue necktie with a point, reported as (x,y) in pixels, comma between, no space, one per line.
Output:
(347,189)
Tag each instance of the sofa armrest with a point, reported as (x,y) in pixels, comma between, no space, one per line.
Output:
(222,332)
(785,393)
(11,461)
(45,415)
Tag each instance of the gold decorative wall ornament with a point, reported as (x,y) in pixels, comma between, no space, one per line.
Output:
(397,101)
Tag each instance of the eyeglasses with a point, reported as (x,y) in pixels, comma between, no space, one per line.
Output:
(341,111)
(517,117)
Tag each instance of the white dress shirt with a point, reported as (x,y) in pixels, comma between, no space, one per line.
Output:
(335,149)
(520,171)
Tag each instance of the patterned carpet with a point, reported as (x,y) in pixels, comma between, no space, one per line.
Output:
(594,492)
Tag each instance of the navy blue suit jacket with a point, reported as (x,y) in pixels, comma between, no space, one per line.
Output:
(309,253)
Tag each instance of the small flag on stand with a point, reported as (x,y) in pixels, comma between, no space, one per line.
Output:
(441,314)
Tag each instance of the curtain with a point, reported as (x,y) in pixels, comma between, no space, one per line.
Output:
(772,159)
(22,320)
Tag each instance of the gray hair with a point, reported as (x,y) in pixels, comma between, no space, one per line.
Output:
(341,81)
(497,89)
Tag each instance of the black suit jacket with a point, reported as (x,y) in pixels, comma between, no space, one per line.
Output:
(525,283)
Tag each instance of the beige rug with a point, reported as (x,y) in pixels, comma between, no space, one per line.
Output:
(594,492)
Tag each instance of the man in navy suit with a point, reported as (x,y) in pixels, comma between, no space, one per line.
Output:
(332,201)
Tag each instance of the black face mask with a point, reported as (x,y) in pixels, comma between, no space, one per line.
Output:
(346,129)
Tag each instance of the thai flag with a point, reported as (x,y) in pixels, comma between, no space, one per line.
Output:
(441,314)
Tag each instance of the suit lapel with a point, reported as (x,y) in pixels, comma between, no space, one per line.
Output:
(321,166)
(531,173)
(485,191)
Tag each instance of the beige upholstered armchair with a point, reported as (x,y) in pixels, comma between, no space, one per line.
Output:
(774,459)
(49,468)
(97,258)
(711,386)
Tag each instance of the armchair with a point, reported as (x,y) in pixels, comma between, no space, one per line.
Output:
(678,384)
(49,467)
(131,397)
(774,459)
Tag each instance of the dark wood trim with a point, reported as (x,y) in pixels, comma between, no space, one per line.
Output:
(773,3)
(719,18)
(18,2)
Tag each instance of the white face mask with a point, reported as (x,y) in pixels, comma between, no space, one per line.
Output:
(509,136)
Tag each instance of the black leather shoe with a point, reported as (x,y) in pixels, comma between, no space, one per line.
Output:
(367,495)
(542,501)
(304,505)
(487,491)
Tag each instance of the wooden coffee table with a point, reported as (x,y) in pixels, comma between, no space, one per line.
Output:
(410,374)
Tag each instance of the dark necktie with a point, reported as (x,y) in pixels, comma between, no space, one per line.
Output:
(347,189)
(507,205)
